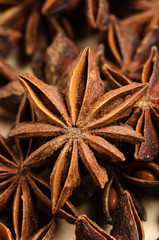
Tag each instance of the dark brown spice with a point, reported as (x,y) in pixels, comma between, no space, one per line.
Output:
(77,130)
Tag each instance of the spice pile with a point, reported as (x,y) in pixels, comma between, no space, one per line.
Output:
(87,121)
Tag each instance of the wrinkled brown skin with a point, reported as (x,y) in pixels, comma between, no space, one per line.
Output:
(11,91)
(85,120)
(127,225)
(97,14)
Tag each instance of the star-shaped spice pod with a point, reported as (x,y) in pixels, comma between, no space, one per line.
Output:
(111,194)
(79,125)
(124,50)
(54,68)
(98,14)
(26,20)
(146,111)
(127,224)
(21,182)
(147,16)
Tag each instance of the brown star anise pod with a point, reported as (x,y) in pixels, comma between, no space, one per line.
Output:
(54,66)
(146,111)
(20,181)
(26,19)
(127,224)
(98,14)
(112,192)
(44,233)
(124,50)
(79,125)
(11,91)
(147,16)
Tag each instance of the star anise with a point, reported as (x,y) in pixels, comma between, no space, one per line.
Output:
(79,125)
(46,232)
(112,192)
(20,181)
(147,16)
(124,50)
(127,224)
(11,91)
(146,110)
(54,66)
(25,19)
(98,13)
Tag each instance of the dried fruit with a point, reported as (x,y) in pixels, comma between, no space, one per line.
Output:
(21,181)
(124,50)
(77,130)
(146,111)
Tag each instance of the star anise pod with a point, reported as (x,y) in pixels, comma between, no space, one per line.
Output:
(77,126)
(11,91)
(98,14)
(147,16)
(21,182)
(146,111)
(54,66)
(112,192)
(46,232)
(27,20)
(127,224)
(124,50)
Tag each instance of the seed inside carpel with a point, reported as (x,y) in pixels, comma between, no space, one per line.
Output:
(113,199)
(145,174)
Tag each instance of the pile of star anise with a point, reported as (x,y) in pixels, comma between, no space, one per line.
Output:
(87,120)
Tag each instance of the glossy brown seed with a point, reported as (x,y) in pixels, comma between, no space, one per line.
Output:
(113,199)
(145,174)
